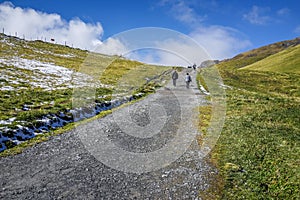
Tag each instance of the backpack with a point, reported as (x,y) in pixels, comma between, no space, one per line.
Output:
(188,79)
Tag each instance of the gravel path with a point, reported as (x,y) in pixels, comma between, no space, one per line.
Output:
(147,149)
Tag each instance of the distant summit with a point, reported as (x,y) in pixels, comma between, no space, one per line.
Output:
(286,61)
(281,57)
(208,63)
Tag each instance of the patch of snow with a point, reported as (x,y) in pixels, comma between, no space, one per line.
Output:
(204,90)
(225,86)
(22,133)
(9,121)
(12,119)
(44,75)
(4,122)
(7,88)
(65,55)
(54,54)
(7,42)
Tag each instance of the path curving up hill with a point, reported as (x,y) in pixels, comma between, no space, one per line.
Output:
(138,145)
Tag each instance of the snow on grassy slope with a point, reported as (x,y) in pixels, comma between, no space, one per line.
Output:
(17,71)
(37,82)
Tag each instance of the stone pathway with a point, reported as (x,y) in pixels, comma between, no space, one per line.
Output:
(143,151)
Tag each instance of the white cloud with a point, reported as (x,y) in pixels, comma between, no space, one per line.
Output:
(257,16)
(183,13)
(216,42)
(204,43)
(111,46)
(38,25)
(182,50)
(297,29)
(172,52)
(219,41)
(283,12)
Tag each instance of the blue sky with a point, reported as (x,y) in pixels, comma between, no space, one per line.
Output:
(224,28)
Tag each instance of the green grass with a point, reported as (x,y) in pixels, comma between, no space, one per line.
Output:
(204,122)
(258,151)
(42,51)
(285,61)
(111,70)
(200,81)
(46,136)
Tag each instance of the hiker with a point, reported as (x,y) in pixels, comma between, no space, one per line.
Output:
(194,66)
(174,77)
(188,79)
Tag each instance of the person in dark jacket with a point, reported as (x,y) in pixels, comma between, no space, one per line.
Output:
(174,77)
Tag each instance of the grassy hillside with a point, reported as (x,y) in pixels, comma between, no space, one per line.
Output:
(255,55)
(287,60)
(258,152)
(38,80)
(41,51)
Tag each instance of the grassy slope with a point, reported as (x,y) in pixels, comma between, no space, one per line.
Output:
(110,70)
(259,146)
(39,99)
(255,55)
(285,61)
(42,51)
(258,150)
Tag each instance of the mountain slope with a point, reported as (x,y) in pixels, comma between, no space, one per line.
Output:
(39,82)
(258,150)
(258,54)
(287,60)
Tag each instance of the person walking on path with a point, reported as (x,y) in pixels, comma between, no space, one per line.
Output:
(194,66)
(174,77)
(188,79)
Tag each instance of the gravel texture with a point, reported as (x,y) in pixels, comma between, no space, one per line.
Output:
(70,166)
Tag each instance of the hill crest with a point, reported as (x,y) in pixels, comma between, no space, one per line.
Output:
(250,57)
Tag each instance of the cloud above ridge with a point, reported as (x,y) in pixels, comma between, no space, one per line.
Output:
(257,16)
(219,42)
(32,25)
